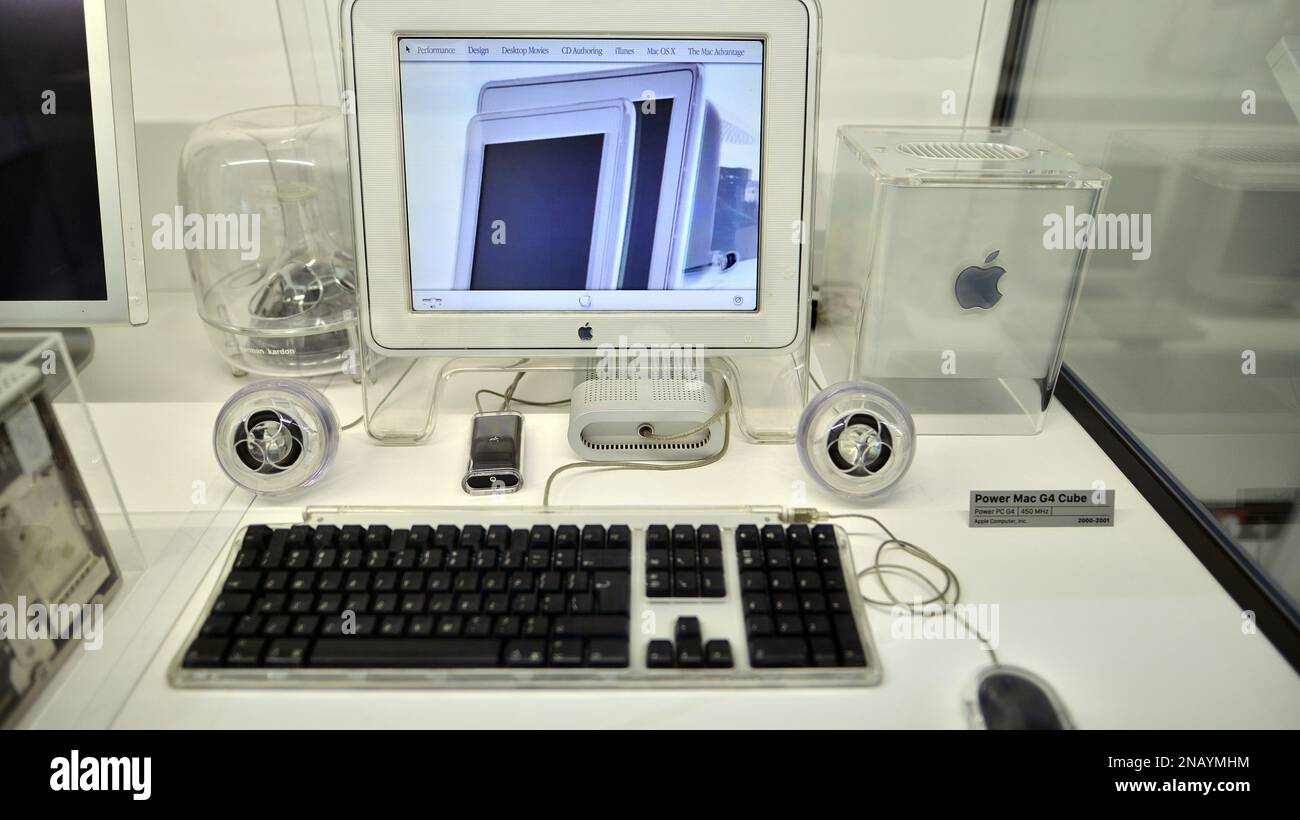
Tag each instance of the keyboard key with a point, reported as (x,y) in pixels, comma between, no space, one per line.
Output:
(756,603)
(525,653)
(593,536)
(760,625)
(594,559)
(690,653)
(567,652)
(747,537)
(232,603)
(687,627)
(535,626)
(824,535)
(420,537)
(823,652)
(506,626)
(245,652)
(660,655)
(566,558)
(752,558)
(404,653)
(657,536)
(242,581)
(817,625)
(798,536)
(713,585)
(474,537)
(276,626)
(684,536)
(592,626)
(582,603)
(377,537)
(449,626)
(567,536)
(613,592)
(658,584)
(789,626)
(778,652)
(607,653)
(780,581)
(351,536)
(619,537)
(478,626)
(217,626)
(205,652)
(717,655)
(256,536)
(287,652)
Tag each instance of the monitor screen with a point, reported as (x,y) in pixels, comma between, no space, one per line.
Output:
(548,174)
(49,213)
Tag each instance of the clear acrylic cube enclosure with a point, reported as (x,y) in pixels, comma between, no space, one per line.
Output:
(953,255)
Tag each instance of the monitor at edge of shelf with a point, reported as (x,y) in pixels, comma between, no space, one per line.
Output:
(70,224)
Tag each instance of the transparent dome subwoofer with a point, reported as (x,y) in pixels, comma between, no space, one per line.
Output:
(857,439)
(273,272)
(276,436)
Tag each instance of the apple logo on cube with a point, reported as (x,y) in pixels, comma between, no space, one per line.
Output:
(977,286)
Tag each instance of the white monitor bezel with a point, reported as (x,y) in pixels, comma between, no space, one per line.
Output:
(788,30)
(614,119)
(113,118)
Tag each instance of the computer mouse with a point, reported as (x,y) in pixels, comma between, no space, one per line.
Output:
(1008,697)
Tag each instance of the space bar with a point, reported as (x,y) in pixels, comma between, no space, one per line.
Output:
(405,653)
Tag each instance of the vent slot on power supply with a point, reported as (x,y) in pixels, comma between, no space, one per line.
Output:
(651,446)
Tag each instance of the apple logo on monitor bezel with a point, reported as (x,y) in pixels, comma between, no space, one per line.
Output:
(585,333)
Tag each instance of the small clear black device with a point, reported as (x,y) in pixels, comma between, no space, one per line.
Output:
(495,447)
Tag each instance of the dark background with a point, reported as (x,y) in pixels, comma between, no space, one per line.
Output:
(50,242)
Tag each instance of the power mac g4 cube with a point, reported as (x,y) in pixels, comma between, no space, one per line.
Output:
(956,258)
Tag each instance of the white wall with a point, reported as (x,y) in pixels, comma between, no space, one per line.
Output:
(883,61)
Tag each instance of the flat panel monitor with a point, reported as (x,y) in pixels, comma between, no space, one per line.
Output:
(70,214)
(652,185)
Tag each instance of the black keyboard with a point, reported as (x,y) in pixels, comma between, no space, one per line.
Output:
(559,602)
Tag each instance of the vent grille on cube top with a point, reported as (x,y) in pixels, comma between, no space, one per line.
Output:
(963,150)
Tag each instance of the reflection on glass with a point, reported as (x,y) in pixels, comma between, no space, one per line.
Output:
(1191,335)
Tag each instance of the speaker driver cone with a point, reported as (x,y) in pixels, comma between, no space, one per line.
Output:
(276,436)
(856,439)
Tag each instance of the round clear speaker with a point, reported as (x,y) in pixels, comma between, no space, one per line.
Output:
(276,437)
(857,439)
